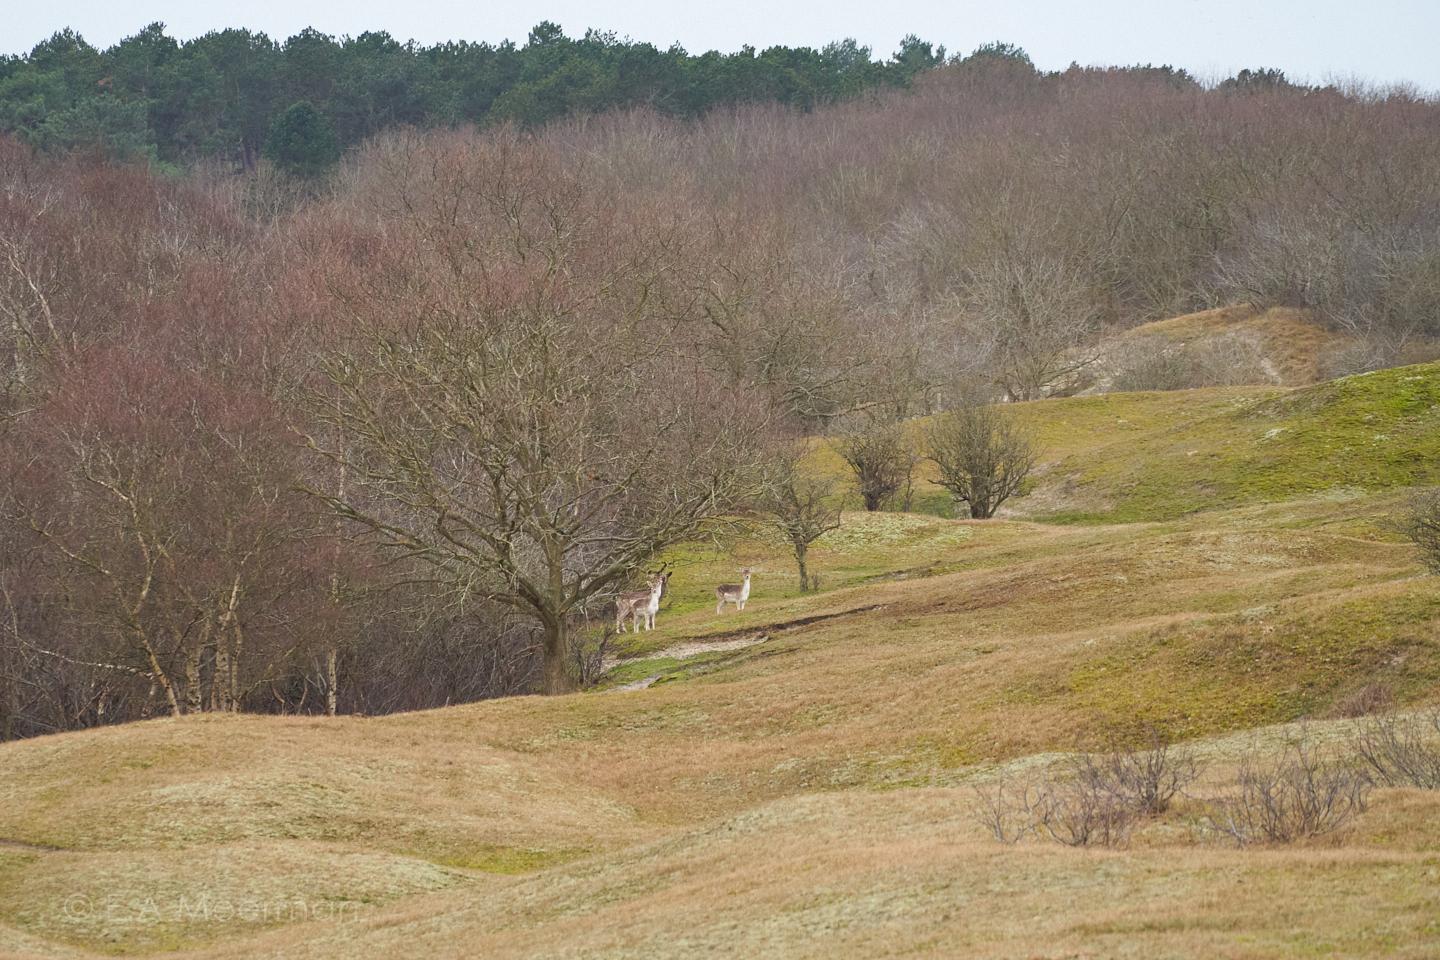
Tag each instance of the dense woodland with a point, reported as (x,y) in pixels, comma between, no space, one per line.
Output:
(389,435)
(233,95)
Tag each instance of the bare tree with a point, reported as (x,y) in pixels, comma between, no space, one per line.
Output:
(803,508)
(513,408)
(1036,318)
(882,459)
(983,456)
(522,470)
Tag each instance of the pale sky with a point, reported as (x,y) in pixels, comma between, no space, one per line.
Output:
(1386,41)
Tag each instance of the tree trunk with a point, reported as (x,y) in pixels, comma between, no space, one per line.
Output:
(555,674)
(160,677)
(232,679)
(193,701)
(332,683)
(223,686)
(331,655)
(219,683)
(800,551)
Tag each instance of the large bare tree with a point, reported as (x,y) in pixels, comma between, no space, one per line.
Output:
(513,409)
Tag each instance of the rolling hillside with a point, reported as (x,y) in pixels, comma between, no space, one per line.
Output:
(797,780)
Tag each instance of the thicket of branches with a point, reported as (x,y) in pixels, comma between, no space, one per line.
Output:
(230,406)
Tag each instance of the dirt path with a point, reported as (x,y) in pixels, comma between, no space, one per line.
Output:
(729,640)
(636,685)
(681,651)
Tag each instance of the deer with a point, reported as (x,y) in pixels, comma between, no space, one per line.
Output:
(736,593)
(641,605)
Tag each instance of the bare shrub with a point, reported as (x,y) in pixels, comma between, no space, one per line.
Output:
(982,455)
(1401,751)
(1421,523)
(1082,812)
(1152,363)
(1376,350)
(590,650)
(1147,779)
(1094,799)
(1306,793)
(881,459)
(1233,359)
(1007,810)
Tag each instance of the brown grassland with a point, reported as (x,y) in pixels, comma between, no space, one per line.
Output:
(1216,564)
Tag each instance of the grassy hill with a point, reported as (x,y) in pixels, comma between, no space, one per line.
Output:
(1289,341)
(1126,457)
(797,780)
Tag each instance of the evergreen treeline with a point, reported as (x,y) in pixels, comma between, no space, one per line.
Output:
(234,94)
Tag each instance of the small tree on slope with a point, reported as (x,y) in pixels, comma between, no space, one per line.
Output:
(803,509)
(982,455)
(881,459)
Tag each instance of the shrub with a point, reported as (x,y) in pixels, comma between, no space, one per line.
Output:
(1306,793)
(1147,779)
(882,461)
(1007,811)
(1234,359)
(1375,350)
(1093,800)
(1421,523)
(982,455)
(1081,812)
(1401,751)
(1152,363)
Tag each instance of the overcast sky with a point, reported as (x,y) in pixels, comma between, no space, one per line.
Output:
(1382,40)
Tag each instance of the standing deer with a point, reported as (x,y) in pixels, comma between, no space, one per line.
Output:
(640,605)
(736,593)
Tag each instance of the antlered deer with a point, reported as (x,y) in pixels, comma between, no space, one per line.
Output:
(641,605)
(736,593)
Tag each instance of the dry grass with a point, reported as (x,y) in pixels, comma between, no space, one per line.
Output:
(1291,341)
(864,874)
